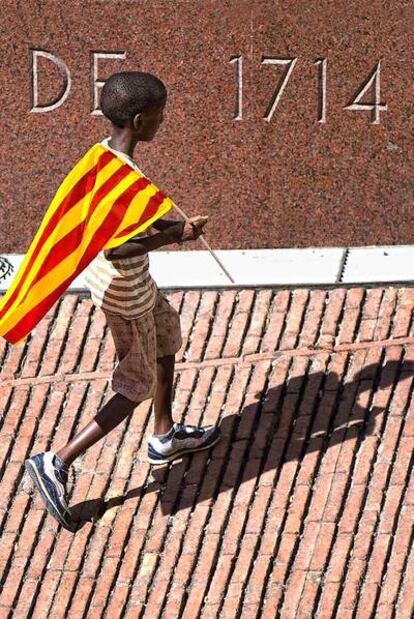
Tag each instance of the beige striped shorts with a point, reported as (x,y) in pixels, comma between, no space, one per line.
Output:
(138,343)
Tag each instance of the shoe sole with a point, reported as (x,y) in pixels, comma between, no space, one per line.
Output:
(182,452)
(38,482)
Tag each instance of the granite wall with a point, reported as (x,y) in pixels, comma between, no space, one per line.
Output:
(289,123)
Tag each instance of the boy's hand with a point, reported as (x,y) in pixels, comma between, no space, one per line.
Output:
(189,230)
(194,227)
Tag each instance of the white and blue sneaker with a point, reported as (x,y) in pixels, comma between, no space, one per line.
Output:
(180,440)
(50,475)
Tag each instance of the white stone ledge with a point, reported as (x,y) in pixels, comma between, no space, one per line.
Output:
(264,267)
(389,263)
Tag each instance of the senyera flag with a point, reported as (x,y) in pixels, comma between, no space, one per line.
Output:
(100,204)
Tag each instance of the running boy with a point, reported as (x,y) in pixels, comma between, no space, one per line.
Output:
(144,326)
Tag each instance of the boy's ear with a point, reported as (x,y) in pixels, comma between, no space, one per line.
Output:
(137,120)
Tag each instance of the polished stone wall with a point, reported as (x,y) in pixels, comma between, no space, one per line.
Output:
(289,123)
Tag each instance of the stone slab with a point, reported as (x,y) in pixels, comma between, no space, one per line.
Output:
(263,267)
(309,173)
(379,264)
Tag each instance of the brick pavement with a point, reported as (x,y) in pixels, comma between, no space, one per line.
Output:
(304,509)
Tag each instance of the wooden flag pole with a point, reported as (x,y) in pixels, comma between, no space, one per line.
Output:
(184,216)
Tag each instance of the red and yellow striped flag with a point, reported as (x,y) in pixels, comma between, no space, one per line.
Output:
(100,204)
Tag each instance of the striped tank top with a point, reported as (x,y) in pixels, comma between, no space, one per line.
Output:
(124,287)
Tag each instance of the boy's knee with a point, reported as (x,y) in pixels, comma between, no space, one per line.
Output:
(127,401)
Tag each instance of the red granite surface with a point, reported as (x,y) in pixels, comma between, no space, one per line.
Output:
(289,182)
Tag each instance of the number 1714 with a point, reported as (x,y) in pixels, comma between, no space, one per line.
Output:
(372,83)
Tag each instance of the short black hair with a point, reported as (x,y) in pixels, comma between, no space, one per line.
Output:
(127,93)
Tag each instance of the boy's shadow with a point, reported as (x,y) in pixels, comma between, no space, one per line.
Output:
(309,413)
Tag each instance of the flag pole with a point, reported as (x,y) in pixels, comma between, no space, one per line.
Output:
(184,216)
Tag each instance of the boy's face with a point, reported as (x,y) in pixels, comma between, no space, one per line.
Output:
(149,122)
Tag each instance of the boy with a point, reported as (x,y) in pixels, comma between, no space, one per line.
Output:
(144,326)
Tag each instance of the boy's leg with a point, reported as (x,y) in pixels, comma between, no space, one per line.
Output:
(119,407)
(172,439)
(49,470)
(134,341)
(163,420)
(110,415)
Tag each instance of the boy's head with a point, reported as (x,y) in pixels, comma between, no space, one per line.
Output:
(134,100)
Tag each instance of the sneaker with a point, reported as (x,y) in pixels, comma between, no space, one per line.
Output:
(50,476)
(179,440)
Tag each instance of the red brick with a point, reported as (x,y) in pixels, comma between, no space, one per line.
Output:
(106,576)
(309,593)
(327,601)
(220,575)
(320,497)
(307,546)
(64,596)
(323,545)
(47,590)
(339,557)
(293,593)
(27,595)
(405,604)
(297,509)
(11,586)
(256,582)
(350,515)
(336,497)
(258,509)
(352,582)
(81,596)
(232,532)
(201,542)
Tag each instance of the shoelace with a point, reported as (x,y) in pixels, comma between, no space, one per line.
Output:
(62,475)
(66,475)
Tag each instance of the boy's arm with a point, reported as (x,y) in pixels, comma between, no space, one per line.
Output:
(163,224)
(138,245)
